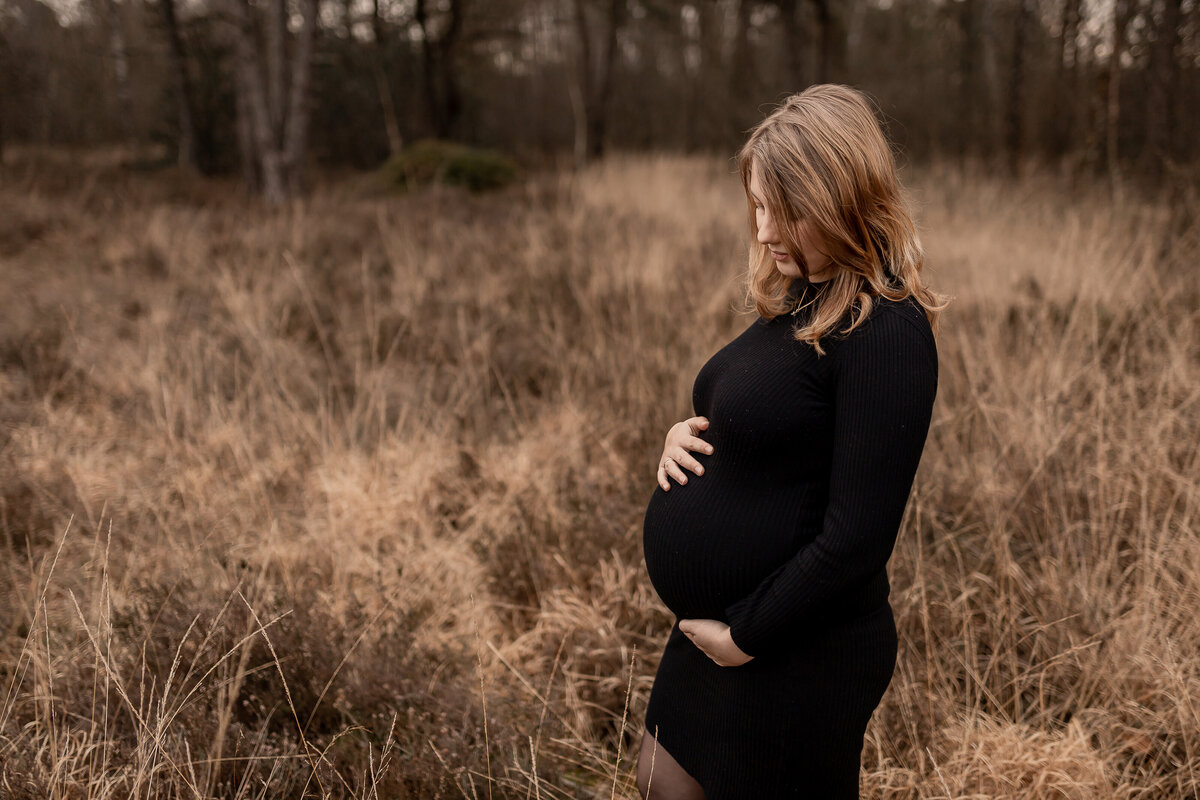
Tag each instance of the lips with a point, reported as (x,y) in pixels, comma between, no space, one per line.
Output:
(778,256)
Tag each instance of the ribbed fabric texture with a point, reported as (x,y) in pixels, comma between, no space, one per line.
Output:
(786,537)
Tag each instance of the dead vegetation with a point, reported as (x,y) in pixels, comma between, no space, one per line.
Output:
(346,501)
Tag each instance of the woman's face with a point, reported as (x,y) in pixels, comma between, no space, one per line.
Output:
(812,249)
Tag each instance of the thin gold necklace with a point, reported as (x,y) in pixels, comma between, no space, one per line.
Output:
(800,304)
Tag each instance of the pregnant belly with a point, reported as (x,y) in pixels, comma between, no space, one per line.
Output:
(708,544)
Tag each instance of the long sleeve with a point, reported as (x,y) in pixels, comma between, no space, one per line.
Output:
(885,375)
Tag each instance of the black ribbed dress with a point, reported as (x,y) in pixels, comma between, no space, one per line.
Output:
(786,537)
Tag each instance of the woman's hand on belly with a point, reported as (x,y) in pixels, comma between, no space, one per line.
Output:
(713,639)
(681,439)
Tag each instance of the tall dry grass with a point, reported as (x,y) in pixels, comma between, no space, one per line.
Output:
(346,501)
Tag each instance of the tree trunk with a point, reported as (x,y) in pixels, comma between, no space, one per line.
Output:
(277,21)
(247,149)
(1068,75)
(277,160)
(439,80)
(448,73)
(390,122)
(1068,37)
(428,82)
(827,25)
(120,61)
(991,75)
(743,79)
(695,64)
(1015,117)
(268,156)
(5,81)
(295,139)
(182,86)
(595,79)
(1121,15)
(581,88)
(1164,80)
(706,90)
(967,74)
(794,38)
(598,108)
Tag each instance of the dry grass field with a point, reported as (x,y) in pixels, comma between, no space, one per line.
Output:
(346,501)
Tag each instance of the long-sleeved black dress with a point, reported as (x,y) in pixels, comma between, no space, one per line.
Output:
(786,537)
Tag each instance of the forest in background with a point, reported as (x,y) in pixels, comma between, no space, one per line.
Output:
(266,87)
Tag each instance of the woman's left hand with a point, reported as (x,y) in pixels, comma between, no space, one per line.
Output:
(713,639)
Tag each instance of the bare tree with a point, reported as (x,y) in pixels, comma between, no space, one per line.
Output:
(181,85)
(970,30)
(1164,81)
(591,94)
(1121,15)
(1015,116)
(991,74)
(1058,78)
(5,82)
(795,40)
(708,91)
(1068,71)
(830,39)
(1068,34)
(382,85)
(120,64)
(275,118)
(442,96)
(276,52)
(247,147)
(742,71)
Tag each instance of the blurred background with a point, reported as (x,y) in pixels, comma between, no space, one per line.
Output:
(339,338)
(256,88)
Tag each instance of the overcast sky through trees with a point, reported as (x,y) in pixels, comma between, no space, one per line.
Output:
(222,85)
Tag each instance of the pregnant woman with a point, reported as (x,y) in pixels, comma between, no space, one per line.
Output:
(809,428)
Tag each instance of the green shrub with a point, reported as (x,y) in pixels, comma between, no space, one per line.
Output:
(433,161)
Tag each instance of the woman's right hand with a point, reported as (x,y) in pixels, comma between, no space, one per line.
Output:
(682,438)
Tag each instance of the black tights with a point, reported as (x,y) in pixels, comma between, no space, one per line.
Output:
(659,776)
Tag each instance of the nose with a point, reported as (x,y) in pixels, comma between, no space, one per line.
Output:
(766,228)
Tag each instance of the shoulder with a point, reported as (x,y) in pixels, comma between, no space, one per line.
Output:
(915,320)
(894,330)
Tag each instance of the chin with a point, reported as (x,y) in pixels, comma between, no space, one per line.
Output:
(788,269)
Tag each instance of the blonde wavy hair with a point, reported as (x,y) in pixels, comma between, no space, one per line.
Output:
(822,159)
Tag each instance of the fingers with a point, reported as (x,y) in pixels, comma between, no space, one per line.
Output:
(676,456)
(673,466)
(667,468)
(678,450)
(709,636)
(684,434)
(695,426)
(684,459)
(691,629)
(674,471)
